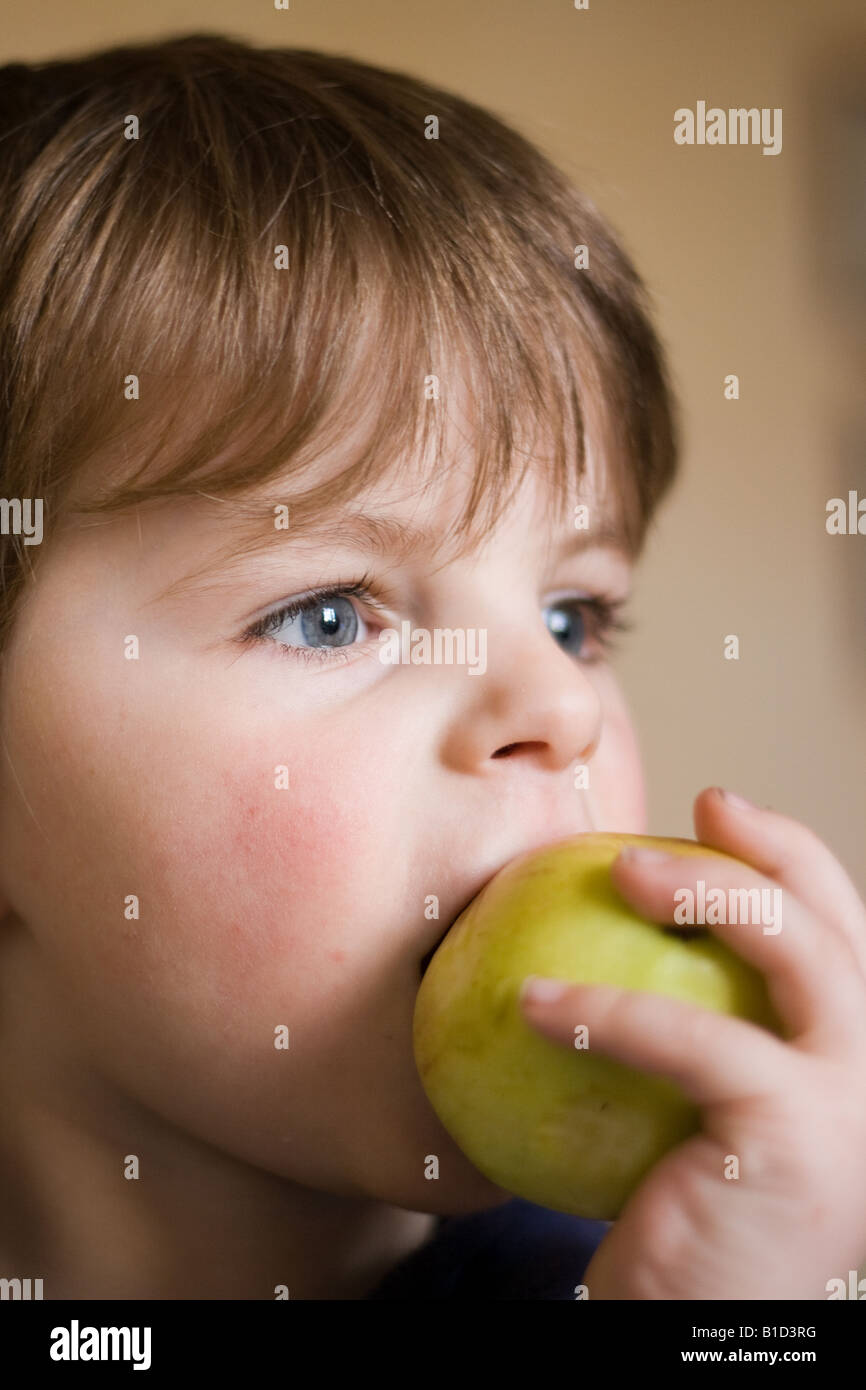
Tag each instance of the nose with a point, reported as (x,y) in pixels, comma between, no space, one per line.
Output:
(534,702)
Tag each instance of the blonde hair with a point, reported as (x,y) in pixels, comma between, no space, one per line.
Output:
(157,256)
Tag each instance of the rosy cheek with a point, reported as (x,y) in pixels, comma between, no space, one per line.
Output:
(280,867)
(286,828)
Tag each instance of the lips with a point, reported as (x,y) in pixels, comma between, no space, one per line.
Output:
(481,883)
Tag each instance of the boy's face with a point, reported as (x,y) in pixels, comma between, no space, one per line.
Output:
(262,905)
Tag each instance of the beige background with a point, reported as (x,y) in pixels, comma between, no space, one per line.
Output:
(738,254)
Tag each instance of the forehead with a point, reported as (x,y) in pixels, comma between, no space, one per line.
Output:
(416,505)
(387,523)
(230,543)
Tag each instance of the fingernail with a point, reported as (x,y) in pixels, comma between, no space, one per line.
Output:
(635,854)
(739,801)
(538,990)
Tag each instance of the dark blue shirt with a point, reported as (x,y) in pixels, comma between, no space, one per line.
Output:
(514,1251)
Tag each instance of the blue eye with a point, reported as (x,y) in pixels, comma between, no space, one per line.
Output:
(567,625)
(323,622)
(326,620)
(572,621)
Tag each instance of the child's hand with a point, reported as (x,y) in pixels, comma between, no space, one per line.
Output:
(793,1112)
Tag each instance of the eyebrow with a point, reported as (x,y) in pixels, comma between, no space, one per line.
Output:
(387,537)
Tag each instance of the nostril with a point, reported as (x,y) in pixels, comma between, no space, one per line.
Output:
(521,743)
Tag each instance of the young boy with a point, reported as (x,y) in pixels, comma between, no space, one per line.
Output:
(295,351)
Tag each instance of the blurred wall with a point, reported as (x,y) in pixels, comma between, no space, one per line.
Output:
(739,257)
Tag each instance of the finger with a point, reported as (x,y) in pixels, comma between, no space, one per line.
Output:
(789,852)
(712,1057)
(812,977)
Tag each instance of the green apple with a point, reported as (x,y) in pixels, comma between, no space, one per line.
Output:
(566,1128)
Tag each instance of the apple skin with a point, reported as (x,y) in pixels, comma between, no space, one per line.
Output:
(566,1129)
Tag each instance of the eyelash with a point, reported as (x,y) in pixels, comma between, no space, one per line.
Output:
(261,630)
(607,621)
